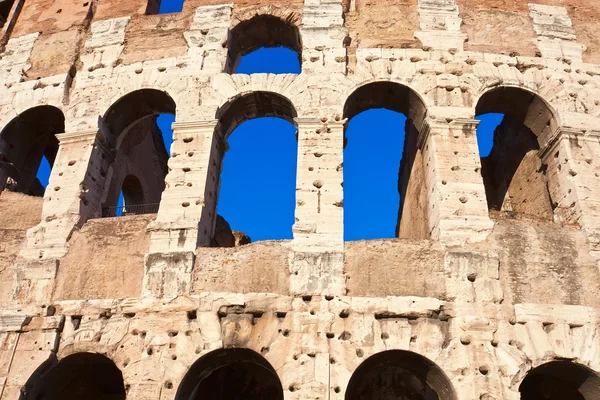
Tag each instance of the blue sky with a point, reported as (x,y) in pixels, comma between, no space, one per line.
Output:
(259,171)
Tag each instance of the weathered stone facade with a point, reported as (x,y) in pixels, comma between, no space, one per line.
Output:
(492,290)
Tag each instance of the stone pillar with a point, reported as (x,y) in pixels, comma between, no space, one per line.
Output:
(72,197)
(574,179)
(206,37)
(187,214)
(323,34)
(458,211)
(318,243)
(73,194)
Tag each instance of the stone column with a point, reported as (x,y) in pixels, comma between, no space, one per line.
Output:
(73,194)
(187,214)
(458,210)
(318,243)
(323,34)
(72,197)
(574,179)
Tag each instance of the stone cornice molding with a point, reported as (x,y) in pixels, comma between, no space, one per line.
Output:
(566,133)
(75,137)
(191,126)
(436,123)
(317,122)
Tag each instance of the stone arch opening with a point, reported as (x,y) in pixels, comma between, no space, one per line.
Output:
(514,174)
(5,8)
(559,380)
(401,164)
(136,148)
(164,7)
(24,143)
(230,374)
(133,195)
(78,376)
(262,31)
(256,185)
(399,375)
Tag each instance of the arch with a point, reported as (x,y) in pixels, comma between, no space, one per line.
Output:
(24,142)
(229,373)
(399,374)
(135,149)
(559,380)
(412,215)
(263,30)
(78,376)
(521,105)
(133,193)
(386,94)
(253,105)
(513,173)
(133,107)
(245,150)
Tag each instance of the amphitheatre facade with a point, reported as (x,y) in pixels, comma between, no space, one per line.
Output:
(490,291)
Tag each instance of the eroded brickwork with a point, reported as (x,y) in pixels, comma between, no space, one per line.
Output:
(491,290)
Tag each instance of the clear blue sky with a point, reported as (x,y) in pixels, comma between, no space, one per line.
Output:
(259,172)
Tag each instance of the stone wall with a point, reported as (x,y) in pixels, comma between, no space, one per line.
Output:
(464,306)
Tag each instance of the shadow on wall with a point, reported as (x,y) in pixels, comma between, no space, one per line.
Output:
(513,173)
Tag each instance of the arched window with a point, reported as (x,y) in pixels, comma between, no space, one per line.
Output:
(264,44)
(384,182)
(258,181)
(513,173)
(560,380)
(230,374)
(24,144)
(138,171)
(164,6)
(398,374)
(79,376)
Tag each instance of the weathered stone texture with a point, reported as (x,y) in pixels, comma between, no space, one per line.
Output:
(469,296)
(105,260)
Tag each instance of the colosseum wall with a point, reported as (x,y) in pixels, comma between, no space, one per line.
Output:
(479,297)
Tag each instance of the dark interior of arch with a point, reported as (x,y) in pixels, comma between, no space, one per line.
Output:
(520,105)
(138,151)
(231,374)
(261,31)
(77,377)
(23,143)
(560,380)
(399,375)
(412,217)
(253,105)
(5,7)
(513,173)
(133,193)
(135,106)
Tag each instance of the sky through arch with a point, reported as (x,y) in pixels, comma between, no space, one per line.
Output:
(387,125)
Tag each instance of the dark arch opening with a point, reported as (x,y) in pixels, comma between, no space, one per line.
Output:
(231,374)
(24,142)
(513,173)
(399,375)
(79,376)
(402,214)
(257,184)
(560,380)
(140,151)
(262,31)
